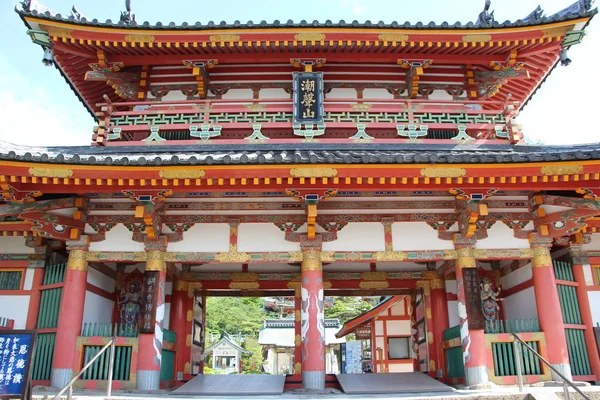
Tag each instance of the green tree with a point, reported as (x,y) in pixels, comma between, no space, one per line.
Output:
(234,315)
(347,308)
(252,361)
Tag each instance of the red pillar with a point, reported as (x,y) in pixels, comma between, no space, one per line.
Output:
(313,320)
(297,333)
(473,340)
(34,299)
(178,324)
(548,305)
(439,312)
(150,344)
(586,318)
(71,313)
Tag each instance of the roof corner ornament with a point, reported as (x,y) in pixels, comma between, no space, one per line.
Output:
(535,16)
(76,14)
(486,18)
(34,5)
(48,59)
(580,6)
(127,17)
(564,58)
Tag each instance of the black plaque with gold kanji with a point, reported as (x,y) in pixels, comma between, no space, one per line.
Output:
(308,97)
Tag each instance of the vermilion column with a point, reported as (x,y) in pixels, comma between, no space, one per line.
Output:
(579,258)
(313,320)
(150,344)
(71,313)
(548,305)
(178,324)
(473,341)
(439,312)
(34,299)
(297,332)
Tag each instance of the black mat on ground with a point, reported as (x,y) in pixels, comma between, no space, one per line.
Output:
(409,382)
(251,385)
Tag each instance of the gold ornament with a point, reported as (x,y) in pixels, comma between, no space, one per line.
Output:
(181,173)
(51,172)
(374,285)
(393,37)
(244,285)
(465,258)
(313,172)
(155,261)
(430,337)
(188,340)
(244,277)
(425,286)
(562,169)
(432,365)
(297,368)
(139,38)
(541,257)
(309,36)
(186,368)
(77,260)
(437,284)
(311,260)
(390,256)
(190,316)
(295,256)
(224,38)
(181,286)
(374,276)
(476,38)
(298,340)
(192,286)
(232,257)
(443,172)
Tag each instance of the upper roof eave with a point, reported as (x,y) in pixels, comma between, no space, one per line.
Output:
(250,25)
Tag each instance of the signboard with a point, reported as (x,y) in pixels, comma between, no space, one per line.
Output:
(308,97)
(16,355)
(351,358)
(150,293)
(473,298)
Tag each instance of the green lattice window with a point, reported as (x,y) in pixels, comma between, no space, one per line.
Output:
(10,280)
(596,269)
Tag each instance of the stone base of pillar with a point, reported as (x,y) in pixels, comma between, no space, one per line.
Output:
(564,369)
(148,380)
(314,380)
(476,376)
(60,377)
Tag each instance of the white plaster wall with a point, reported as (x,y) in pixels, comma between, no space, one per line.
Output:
(417,236)
(404,367)
(167,317)
(263,237)
(203,238)
(594,243)
(378,328)
(501,236)
(174,95)
(342,93)
(28,283)
(453,319)
(14,245)
(117,239)
(359,236)
(97,309)
(377,94)
(275,267)
(274,93)
(100,280)
(15,307)
(168,288)
(587,274)
(451,287)
(238,94)
(397,328)
(595,306)
(521,305)
(517,277)
(440,95)
(398,309)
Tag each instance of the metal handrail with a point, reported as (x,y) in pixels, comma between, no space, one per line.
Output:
(566,381)
(111,360)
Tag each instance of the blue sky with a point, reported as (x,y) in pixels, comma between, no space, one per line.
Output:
(37,107)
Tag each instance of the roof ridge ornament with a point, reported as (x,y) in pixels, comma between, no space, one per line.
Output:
(76,14)
(127,17)
(580,6)
(34,5)
(535,16)
(486,18)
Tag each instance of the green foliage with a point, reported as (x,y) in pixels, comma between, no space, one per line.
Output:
(347,308)
(252,362)
(235,315)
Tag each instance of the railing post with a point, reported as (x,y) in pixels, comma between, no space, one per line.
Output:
(111,362)
(518,365)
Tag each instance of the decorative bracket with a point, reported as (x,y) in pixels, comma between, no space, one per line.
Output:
(256,133)
(473,194)
(415,70)
(104,65)
(412,133)
(468,217)
(307,64)
(125,84)
(199,68)
(149,215)
(309,132)
(565,222)
(14,195)
(311,197)
(154,136)
(148,196)
(205,131)
(57,226)
(361,133)
(462,133)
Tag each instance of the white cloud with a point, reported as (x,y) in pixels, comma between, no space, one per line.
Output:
(356,6)
(40,115)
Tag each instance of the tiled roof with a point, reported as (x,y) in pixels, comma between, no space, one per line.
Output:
(300,153)
(565,15)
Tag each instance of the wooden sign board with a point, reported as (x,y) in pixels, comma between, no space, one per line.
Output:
(473,298)
(150,292)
